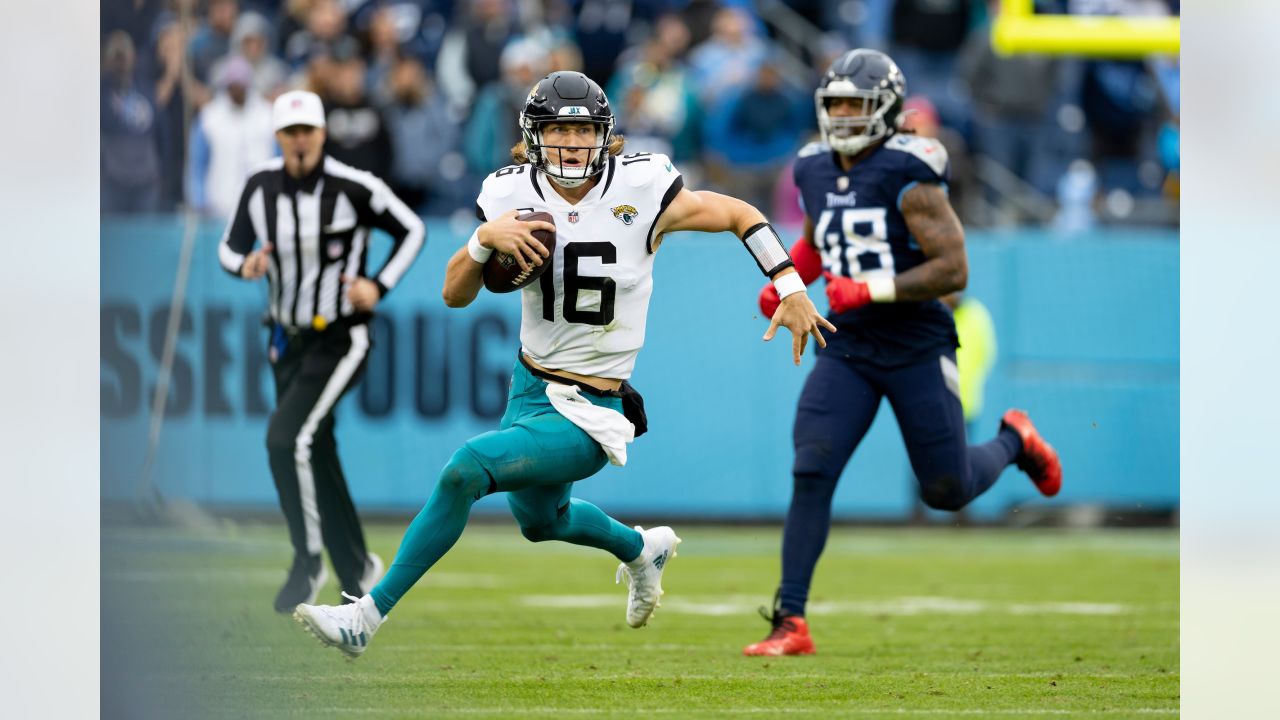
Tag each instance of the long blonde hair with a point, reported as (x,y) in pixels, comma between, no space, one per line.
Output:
(520,154)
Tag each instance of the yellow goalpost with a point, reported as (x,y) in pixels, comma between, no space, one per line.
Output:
(1018,29)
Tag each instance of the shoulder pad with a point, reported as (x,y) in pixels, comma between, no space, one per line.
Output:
(640,169)
(503,181)
(813,148)
(928,150)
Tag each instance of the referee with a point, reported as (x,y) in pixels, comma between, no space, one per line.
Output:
(313,216)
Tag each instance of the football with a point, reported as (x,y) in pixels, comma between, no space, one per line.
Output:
(501,271)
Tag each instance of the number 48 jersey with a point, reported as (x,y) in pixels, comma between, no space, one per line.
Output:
(860,232)
(587,312)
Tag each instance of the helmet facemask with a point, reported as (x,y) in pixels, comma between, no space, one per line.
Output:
(550,159)
(849,135)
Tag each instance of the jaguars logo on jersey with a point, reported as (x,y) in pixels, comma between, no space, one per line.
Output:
(626,213)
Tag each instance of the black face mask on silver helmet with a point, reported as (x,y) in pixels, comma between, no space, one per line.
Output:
(560,97)
(874,78)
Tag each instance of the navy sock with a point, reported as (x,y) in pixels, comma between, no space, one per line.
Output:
(803,538)
(988,460)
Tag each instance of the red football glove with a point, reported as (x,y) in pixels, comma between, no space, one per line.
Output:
(769,300)
(808,265)
(844,294)
(807,261)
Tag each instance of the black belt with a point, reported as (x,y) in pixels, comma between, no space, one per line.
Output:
(590,389)
(298,332)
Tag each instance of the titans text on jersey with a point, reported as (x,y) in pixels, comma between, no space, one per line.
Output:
(601,275)
(860,232)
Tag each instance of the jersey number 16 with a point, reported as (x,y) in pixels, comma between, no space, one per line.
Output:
(575,283)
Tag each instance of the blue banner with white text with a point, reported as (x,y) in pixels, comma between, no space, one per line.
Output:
(1088,344)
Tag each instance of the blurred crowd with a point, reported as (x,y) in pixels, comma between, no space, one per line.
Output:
(425,94)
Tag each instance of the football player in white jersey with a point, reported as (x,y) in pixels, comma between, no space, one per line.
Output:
(570,408)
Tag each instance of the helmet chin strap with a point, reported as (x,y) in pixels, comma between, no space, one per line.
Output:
(851,145)
(566,182)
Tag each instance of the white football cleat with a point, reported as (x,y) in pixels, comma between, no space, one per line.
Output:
(644,574)
(347,627)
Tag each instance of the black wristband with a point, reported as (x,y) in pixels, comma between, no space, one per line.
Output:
(762,241)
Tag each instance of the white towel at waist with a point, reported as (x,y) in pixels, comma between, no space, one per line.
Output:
(608,427)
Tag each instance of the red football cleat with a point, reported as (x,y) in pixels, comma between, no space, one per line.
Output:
(1038,459)
(790,636)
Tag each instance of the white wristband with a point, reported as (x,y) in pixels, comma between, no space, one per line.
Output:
(478,252)
(788,284)
(882,289)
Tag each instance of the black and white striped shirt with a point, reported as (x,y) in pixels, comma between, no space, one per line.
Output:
(318,228)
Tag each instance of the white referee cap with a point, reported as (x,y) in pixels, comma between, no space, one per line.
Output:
(297,107)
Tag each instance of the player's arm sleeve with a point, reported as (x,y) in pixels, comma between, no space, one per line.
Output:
(239,237)
(667,182)
(926,163)
(406,229)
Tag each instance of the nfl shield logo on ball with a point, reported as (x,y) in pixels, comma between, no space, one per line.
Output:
(334,249)
(573,216)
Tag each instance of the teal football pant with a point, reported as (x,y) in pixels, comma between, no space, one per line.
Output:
(535,457)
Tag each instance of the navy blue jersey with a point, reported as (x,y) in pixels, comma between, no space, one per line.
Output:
(860,233)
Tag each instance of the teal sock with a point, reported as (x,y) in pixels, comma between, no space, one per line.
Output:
(436,528)
(585,524)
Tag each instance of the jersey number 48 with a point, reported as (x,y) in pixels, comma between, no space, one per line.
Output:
(858,245)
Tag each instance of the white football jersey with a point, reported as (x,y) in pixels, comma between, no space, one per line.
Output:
(587,312)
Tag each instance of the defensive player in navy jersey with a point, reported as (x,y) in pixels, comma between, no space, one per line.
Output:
(880,229)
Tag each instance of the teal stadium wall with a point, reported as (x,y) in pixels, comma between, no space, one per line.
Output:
(1088,333)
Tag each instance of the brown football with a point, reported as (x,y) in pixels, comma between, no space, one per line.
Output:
(501,271)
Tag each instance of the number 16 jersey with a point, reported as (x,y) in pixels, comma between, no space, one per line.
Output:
(587,312)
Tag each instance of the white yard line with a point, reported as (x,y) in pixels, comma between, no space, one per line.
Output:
(765,676)
(893,606)
(276,576)
(513,711)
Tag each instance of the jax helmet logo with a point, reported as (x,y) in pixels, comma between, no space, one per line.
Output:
(626,213)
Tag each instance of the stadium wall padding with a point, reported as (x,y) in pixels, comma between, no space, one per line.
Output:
(1087,327)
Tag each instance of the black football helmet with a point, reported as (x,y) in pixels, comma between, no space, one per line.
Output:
(566,96)
(875,78)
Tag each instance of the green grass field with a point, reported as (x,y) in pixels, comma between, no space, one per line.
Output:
(909,622)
